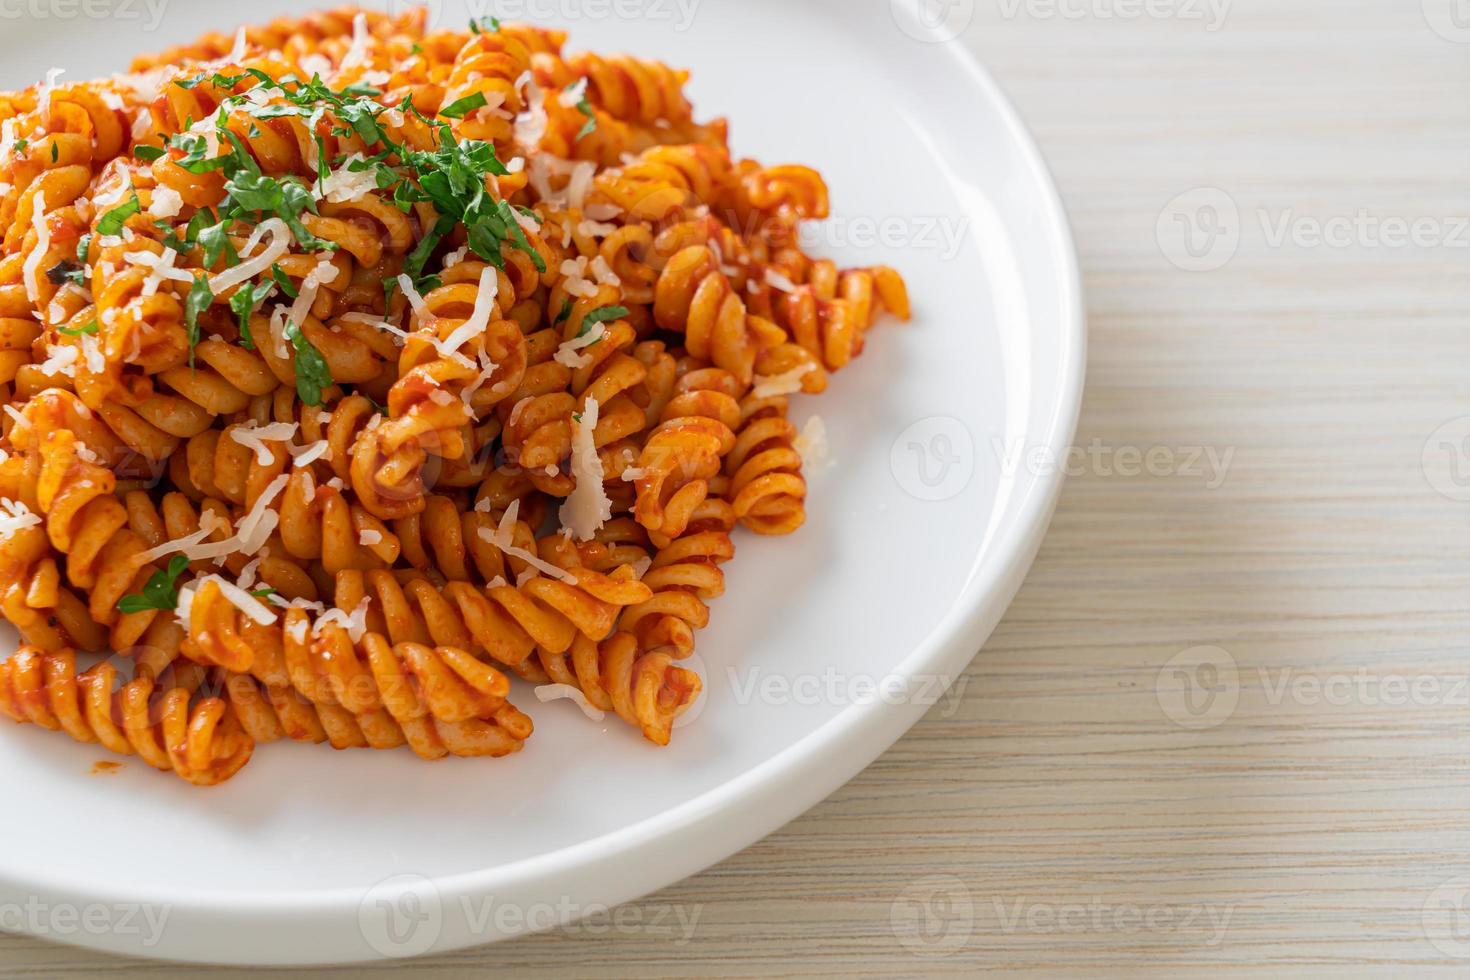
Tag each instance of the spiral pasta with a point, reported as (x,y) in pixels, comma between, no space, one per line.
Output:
(357,370)
(200,740)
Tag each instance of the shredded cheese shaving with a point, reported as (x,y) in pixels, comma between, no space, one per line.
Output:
(776,280)
(253,266)
(355,622)
(588,508)
(256,438)
(567,353)
(785,383)
(812,446)
(503,537)
(557,692)
(32,267)
(15,516)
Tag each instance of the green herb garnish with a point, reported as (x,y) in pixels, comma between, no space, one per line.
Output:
(312,373)
(279,277)
(585,108)
(243,303)
(601,315)
(458,108)
(199,299)
(161,590)
(112,222)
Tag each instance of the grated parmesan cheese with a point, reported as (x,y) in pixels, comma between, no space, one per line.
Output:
(558,692)
(587,508)
(15,516)
(604,272)
(251,534)
(573,94)
(253,266)
(355,622)
(595,229)
(567,353)
(369,537)
(786,383)
(415,301)
(238,597)
(323,272)
(237,51)
(812,446)
(166,203)
(315,64)
(576,282)
(92,352)
(530,126)
(487,371)
(357,53)
(308,454)
(345,184)
(503,537)
(256,438)
(60,359)
(247,574)
(479,319)
(399,335)
(43,97)
(160,268)
(32,266)
(776,280)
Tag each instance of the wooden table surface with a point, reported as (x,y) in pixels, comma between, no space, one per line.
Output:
(1225,728)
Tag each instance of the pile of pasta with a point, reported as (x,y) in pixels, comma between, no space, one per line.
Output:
(353,369)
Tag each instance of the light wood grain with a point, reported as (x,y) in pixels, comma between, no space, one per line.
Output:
(1303,834)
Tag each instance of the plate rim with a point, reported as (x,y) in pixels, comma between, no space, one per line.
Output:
(789,783)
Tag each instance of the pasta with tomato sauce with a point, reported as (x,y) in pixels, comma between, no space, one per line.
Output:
(360,377)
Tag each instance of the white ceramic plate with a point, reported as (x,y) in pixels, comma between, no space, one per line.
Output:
(917,539)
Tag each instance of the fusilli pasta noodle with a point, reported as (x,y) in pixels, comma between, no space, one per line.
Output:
(356,373)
